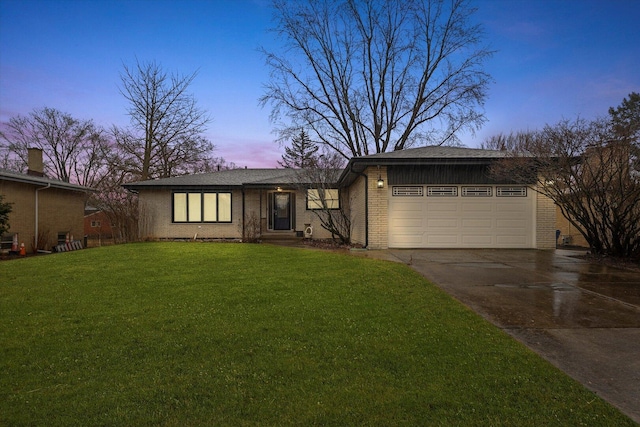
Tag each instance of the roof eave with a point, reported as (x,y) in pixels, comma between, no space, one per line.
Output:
(44,182)
(358,165)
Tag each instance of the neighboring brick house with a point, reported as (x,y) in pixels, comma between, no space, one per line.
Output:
(428,197)
(96,224)
(42,208)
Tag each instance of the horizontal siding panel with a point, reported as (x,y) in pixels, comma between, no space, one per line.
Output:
(477,240)
(445,239)
(442,223)
(439,206)
(481,206)
(477,224)
(511,241)
(406,223)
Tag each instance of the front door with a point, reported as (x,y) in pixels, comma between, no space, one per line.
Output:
(281,211)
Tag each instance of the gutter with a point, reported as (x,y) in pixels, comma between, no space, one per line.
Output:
(35,237)
(243,216)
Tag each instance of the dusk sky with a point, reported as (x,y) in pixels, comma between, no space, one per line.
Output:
(554,59)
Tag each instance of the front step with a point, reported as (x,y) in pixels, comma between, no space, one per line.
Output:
(280,237)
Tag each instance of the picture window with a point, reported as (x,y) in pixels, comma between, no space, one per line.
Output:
(201,207)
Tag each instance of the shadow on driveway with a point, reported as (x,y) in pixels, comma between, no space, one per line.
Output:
(582,317)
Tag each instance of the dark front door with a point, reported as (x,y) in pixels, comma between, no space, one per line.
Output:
(281,211)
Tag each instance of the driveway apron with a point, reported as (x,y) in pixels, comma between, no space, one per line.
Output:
(584,318)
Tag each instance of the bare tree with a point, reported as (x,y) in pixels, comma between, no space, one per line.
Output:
(119,205)
(214,164)
(505,142)
(373,76)
(328,204)
(165,137)
(72,148)
(586,168)
(301,154)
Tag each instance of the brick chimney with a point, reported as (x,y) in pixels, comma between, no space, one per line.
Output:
(35,166)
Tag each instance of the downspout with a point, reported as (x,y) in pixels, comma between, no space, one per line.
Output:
(243,217)
(366,204)
(35,236)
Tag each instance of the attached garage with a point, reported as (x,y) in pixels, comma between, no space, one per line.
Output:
(459,216)
(444,197)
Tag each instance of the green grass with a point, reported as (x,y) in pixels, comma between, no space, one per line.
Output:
(232,334)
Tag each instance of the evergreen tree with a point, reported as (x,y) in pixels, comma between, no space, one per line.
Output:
(5,210)
(301,154)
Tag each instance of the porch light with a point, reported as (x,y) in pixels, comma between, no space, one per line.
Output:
(380,180)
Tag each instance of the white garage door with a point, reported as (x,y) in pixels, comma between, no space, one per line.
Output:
(458,216)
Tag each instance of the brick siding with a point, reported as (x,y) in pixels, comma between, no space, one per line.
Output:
(378,208)
(568,230)
(58,211)
(545,222)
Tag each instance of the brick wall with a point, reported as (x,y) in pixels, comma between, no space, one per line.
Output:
(305,216)
(378,208)
(156,216)
(569,230)
(97,224)
(545,222)
(58,211)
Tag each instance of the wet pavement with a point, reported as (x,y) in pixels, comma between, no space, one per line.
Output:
(582,317)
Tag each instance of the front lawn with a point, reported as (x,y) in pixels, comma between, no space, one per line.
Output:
(233,334)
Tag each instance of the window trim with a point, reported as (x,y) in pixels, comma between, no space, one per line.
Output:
(511,191)
(202,204)
(442,191)
(318,201)
(476,191)
(407,191)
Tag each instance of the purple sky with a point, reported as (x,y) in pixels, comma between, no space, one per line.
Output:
(555,59)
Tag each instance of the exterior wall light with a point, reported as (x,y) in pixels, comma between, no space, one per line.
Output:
(380,180)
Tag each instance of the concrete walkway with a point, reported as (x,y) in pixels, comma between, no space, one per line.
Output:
(584,318)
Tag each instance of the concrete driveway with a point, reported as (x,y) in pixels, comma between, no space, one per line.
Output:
(582,317)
